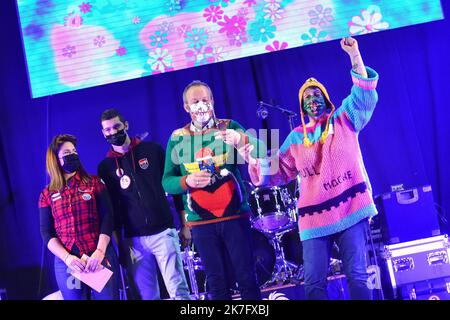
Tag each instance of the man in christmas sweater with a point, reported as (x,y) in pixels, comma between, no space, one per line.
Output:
(335,194)
(201,164)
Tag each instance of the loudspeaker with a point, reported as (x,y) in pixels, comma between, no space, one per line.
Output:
(407,215)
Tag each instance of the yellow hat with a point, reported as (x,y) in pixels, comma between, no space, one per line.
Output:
(311,82)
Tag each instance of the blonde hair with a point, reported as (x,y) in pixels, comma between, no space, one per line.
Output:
(54,169)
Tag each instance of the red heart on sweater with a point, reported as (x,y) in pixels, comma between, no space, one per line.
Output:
(215,202)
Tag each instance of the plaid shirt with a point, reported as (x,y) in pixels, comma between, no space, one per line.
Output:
(75,214)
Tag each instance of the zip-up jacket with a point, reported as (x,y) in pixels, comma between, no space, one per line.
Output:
(140,204)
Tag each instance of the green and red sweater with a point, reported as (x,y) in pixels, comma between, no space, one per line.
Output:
(187,152)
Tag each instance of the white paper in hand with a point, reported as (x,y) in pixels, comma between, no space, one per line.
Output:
(96,280)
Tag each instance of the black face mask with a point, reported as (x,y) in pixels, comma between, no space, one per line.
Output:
(118,138)
(71,163)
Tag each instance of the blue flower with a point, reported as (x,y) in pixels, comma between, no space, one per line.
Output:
(158,39)
(262,30)
(196,37)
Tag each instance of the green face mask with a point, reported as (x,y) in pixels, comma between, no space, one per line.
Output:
(315,106)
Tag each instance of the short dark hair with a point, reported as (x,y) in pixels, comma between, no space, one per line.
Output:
(109,114)
(196,83)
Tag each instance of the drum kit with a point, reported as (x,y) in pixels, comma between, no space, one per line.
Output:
(276,243)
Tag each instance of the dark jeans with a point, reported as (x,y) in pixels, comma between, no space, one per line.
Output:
(232,237)
(73,289)
(352,250)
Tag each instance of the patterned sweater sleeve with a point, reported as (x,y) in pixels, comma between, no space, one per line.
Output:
(278,169)
(173,181)
(360,104)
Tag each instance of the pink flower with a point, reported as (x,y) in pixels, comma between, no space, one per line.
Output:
(213,13)
(73,20)
(69,51)
(99,41)
(233,25)
(238,39)
(85,7)
(136,20)
(276,46)
(121,51)
(183,29)
(250,2)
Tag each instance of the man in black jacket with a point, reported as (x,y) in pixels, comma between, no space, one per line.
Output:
(132,172)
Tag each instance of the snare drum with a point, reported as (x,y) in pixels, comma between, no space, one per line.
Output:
(270,212)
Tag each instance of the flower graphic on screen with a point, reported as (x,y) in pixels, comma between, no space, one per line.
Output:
(136,20)
(183,29)
(85,7)
(196,38)
(273,13)
(314,36)
(277,46)
(174,5)
(43,6)
(273,4)
(320,15)
(218,54)
(166,27)
(121,51)
(69,51)
(243,13)
(158,39)
(213,13)
(204,55)
(34,31)
(160,60)
(237,39)
(73,20)
(233,25)
(99,41)
(262,30)
(225,3)
(369,21)
(250,3)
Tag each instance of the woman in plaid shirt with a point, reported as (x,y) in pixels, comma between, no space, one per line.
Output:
(76,221)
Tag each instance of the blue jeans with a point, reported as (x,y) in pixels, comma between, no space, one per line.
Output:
(352,250)
(73,289)
(232,237)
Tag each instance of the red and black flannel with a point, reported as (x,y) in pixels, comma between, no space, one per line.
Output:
(75,214)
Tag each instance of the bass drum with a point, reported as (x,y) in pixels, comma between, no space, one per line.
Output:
(264,257)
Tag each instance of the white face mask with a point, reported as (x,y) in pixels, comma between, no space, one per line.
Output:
(201,111)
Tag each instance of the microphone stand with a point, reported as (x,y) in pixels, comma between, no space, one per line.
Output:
(290,114)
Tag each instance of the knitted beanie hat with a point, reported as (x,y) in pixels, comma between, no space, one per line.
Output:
(311,82)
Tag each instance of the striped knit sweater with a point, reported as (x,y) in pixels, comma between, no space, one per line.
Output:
(335,191)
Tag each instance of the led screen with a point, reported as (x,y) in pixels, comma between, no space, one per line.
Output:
(71,45)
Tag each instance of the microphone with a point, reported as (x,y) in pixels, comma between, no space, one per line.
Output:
(262,111)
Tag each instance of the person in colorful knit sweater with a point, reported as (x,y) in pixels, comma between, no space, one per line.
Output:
(201,164)
(335,200)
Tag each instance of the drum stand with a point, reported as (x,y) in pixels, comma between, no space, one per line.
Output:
(284,271)
(191,267)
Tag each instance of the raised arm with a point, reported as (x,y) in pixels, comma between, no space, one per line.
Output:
(350,45)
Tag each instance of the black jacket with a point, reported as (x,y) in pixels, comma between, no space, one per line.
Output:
(142,208)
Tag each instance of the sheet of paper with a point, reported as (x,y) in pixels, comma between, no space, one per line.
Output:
(96,280)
